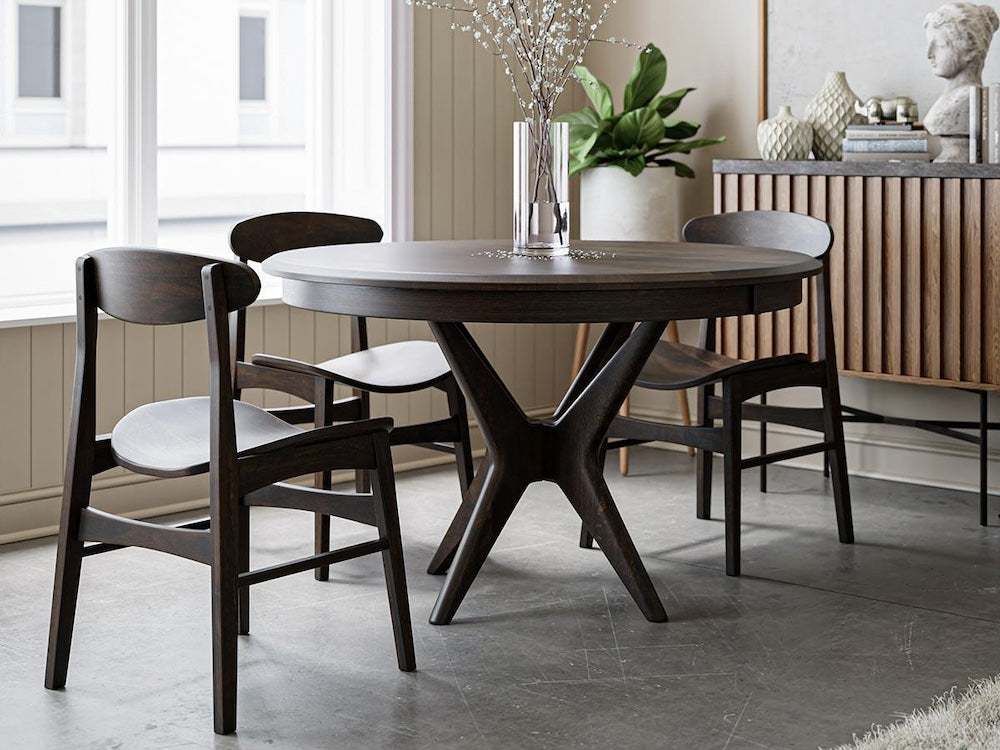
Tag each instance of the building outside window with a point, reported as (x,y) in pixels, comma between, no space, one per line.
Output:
(253,58)
(39,50)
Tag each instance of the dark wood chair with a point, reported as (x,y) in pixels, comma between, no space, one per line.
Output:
(246,452)
(674,366)
(400,367)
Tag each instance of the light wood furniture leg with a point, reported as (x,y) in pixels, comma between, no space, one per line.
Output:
(673,336)
(580,352)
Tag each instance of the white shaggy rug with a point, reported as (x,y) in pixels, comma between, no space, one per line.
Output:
(969,721)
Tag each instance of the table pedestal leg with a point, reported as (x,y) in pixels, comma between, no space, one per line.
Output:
(565,449)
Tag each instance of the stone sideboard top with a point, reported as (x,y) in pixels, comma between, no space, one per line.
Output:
(857,169)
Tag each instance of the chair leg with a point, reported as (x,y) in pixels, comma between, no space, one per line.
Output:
(322,480)
(732,431)
(387,519)
(225,626)
(244,552)
(703,465)
(64,595)
(834,424)
(69,558)
(463,447)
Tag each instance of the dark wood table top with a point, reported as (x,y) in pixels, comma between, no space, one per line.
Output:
(483,281)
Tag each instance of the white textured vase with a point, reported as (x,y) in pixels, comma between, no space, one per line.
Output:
(784,137)
(614,205)
(829,113)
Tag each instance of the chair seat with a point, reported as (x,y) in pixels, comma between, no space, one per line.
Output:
(390,368)
(171,438)
(674,366)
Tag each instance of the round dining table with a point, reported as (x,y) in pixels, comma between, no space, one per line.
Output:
(634,287)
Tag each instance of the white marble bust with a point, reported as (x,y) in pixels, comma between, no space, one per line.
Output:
(958,38)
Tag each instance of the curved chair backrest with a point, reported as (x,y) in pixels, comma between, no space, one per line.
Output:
(781,230)
(156,287)
(261,237)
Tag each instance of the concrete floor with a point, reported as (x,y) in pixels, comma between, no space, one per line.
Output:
(815,642)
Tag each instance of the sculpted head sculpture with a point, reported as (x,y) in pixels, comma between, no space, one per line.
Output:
(958,38)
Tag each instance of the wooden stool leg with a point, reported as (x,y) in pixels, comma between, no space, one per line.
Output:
(623,452)
(673,336)
(580,348)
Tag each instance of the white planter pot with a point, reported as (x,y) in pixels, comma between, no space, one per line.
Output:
(614,205)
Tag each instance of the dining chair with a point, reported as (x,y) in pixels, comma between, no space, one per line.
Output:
(399,367)
(246,452)
(674,366)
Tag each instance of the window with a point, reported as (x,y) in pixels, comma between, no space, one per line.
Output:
(253,48)
(164,123)
(39,51)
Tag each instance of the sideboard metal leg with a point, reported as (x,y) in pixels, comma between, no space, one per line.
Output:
(763,445)
(984,450)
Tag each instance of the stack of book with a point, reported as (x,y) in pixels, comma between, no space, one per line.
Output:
(890,142)
(984,124)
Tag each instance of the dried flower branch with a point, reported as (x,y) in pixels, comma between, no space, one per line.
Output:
(539,42)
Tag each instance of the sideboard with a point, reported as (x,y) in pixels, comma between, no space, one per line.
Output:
(914,270)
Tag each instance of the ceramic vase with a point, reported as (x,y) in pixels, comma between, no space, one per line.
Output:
(784,137)
(829,113)
(541,188)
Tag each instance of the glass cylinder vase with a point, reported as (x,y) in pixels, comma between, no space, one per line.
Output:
(541,188)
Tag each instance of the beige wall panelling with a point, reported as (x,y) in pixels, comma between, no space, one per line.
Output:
(422,132)
(442,126)
(47,447)
(254,345)
(276,342)
(15,409)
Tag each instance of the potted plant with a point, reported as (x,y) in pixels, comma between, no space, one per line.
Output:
(620,199)
(632,202)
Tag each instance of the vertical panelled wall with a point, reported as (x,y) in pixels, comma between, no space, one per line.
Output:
(914,270)
(463,115)
(462,152)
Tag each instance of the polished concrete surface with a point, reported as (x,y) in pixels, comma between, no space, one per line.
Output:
(815,642)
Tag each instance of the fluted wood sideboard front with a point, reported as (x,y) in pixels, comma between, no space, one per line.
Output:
(915,266)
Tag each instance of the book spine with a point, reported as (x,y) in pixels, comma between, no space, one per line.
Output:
(975,124)
(993,129)
(880,128)
(886,156)
(884,145)
(891,135)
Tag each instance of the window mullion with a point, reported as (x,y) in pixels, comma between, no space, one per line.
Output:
(320,105)
(132,200)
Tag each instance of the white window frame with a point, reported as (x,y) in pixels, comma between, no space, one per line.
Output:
(132,150)
(32,105)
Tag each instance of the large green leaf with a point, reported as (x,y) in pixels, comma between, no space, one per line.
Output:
(648,76)
(685,147)
(599,94)
(678,130)
(641,129)
(585,116)
(632,164)
(666,104)
(680,169)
